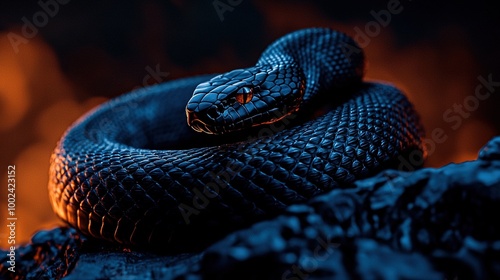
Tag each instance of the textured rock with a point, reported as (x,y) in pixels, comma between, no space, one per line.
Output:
(49,255)
(426,224)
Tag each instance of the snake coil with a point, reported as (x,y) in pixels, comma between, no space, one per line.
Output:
(132,171)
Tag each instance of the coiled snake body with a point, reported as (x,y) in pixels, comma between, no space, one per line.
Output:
(132,171)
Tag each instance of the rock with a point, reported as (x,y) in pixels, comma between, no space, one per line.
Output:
(49,255)
(429,223)
(63,252)
(433,223)
(491,151)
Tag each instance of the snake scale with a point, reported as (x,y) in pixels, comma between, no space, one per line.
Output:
(299,123)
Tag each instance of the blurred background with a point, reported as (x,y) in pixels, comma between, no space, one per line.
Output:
(58,59)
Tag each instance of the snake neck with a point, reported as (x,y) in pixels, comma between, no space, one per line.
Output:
(327,59)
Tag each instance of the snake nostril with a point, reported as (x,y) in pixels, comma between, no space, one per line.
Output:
(215,111)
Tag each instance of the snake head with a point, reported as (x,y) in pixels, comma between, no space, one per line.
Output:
(245,98)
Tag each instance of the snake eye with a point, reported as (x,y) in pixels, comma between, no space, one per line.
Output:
(244,95)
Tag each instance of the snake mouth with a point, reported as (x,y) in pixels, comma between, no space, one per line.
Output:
(194,122)
(198,125)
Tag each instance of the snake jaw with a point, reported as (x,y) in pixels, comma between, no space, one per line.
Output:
(195,123)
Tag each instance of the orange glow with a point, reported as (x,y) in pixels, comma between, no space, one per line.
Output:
(37,106)
(14,98)
(434,77)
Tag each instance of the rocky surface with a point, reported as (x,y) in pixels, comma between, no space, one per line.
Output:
(433,223)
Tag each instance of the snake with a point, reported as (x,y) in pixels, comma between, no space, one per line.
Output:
(181,164)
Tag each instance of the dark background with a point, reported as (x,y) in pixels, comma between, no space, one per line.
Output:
(89,51)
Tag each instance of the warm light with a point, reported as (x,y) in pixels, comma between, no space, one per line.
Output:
(434,76)
(14,99)
(37,104)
